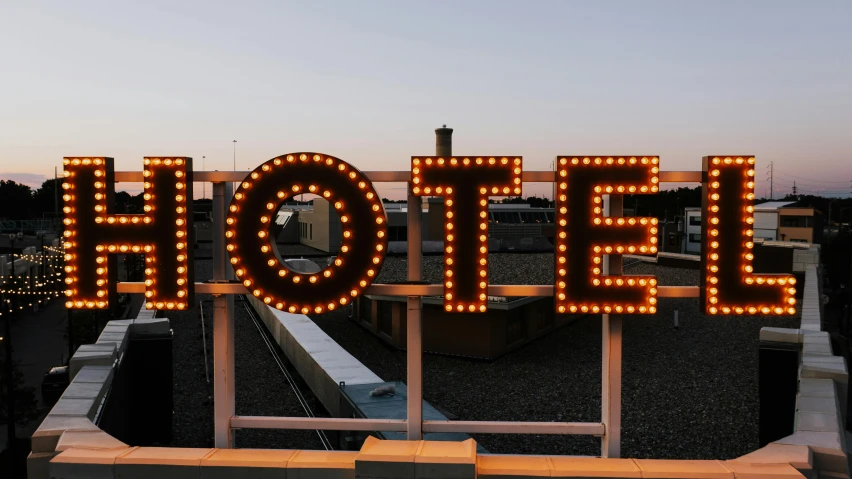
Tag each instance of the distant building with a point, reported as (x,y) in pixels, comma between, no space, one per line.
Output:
(692,235)
(517,226)
(773,221)
(803,225)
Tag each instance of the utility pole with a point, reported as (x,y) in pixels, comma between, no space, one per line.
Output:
(55,192)
(233,185)
(204,183)
(794,188)
(771,180)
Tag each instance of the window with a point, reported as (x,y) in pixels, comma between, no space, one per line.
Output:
(695,221)
(796,221)
(694,238)
(311,226)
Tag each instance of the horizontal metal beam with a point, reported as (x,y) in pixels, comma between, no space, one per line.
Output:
(394,176)
(418,289)
(398,425)
(321,423)
(511,427)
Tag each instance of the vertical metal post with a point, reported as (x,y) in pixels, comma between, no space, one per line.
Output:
(223,328)
(414,338)
(611,353)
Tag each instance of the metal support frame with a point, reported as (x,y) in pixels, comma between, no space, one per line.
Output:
(223,327)
(611,329)
(224,289)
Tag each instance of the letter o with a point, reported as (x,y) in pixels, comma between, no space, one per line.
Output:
(363,232)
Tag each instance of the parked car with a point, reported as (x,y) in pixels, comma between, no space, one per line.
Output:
(54,383)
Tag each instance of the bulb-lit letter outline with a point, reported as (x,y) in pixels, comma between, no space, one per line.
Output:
(465,183)
(93,235)
(584,235)
(728,282)
(253,253)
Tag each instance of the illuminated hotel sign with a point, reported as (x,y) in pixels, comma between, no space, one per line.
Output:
(584,233)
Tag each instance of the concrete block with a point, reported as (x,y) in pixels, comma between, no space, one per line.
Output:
(46,437)
(94,374)
(815,387)
(446,460)
(38,464)
(85,463)
(575,467)
(77,390)
(827,449)
(160,462)
(817,405)
(763,471)
(502,467)
(817,348)
(386,459)
(113,328)
(820,422)
(120,340)
(88,440)
(671,469)
(780,335)
(74,407)
(150,325)
(798,456)
(254,463)
(82,359)
(322,465)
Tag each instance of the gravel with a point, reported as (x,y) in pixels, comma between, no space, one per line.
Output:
(261,389)
(690,393)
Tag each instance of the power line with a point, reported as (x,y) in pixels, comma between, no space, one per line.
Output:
(810,179)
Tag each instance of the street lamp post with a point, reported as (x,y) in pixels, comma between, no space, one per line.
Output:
(203,184)
(233,185)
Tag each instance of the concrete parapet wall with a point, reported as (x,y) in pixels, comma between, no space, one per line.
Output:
(70,423)
(321,362)
(386,460)
(823,388)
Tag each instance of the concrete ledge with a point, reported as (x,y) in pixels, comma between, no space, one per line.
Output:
(762,471)
(46,437)
(254,463)
(86,463)
(103,354)
(160,463)
(92,440)
(322,465)
(671,469)
(780,335)
(798,456)
(575,467)
(489,466)
(446,460)
(386,459)
(38,464)
(322,362)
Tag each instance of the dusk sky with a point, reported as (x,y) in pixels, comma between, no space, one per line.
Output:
(370,81)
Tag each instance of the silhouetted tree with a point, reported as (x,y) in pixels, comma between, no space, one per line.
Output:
(17,200)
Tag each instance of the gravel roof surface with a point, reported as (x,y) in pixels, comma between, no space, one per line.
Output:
(261,389)
(687,393)
(690,393)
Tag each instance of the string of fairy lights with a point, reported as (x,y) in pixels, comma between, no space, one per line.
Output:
(42,281)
